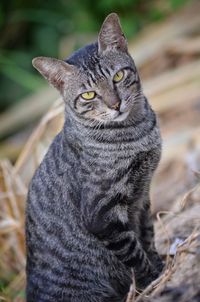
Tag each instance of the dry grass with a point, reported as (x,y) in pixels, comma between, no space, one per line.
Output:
(12,251)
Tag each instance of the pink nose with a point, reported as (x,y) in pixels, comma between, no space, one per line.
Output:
(116,106)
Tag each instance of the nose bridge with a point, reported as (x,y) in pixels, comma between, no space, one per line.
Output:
(110,97)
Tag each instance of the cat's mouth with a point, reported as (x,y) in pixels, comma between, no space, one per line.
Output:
(121,116)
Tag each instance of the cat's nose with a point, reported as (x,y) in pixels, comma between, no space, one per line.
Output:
(116,106)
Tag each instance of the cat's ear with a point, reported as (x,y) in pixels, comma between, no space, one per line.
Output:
(55,71)
(111,35)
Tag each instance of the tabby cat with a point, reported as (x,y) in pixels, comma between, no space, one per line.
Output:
(88,224)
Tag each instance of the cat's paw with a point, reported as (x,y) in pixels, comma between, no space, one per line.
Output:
(143,282)
(156,261)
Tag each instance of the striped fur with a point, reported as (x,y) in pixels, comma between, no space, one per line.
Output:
(88,218)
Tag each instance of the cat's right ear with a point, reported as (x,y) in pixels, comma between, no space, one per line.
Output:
(55,71)
(111,36)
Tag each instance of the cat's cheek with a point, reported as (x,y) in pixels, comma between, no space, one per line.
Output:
(90,108)
(91,114)
(113,114)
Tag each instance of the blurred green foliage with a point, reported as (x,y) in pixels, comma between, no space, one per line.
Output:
(29,28)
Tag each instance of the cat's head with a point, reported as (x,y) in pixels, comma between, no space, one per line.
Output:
(99,81)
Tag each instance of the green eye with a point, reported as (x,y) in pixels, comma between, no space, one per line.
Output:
(88,95)
(118,76)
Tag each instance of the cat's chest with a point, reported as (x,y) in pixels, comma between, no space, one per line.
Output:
(115,174)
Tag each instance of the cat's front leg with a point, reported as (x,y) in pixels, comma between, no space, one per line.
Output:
(147,237)
(129,250)
(109,222)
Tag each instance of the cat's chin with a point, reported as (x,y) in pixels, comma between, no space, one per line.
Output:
(121,116)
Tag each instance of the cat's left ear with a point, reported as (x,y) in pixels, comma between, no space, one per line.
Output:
(55,71)
(111,36)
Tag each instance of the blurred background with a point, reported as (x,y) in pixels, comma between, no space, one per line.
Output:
(54,28)
(164,40)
